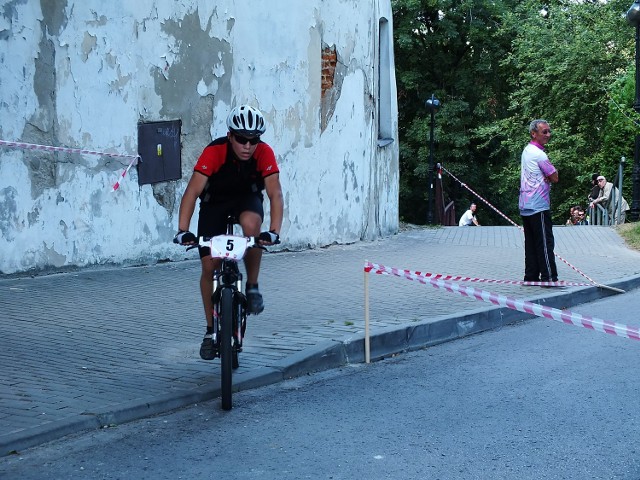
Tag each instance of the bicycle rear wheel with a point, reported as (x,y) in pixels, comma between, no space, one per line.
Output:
(226,351)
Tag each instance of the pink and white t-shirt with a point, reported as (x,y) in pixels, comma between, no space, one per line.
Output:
(534,189)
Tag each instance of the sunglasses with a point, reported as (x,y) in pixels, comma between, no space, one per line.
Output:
(544,132)
(243,140)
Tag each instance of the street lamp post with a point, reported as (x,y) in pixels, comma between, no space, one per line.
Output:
(633,17)
(432,104)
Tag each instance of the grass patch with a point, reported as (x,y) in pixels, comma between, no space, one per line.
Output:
(630,232)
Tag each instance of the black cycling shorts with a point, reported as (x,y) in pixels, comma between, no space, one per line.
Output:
(212,219)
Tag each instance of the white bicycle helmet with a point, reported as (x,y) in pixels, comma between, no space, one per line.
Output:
(246,121)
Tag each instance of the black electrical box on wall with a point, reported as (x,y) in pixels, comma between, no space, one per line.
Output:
(159,150)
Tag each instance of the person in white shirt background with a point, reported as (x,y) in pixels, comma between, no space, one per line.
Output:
(469,219)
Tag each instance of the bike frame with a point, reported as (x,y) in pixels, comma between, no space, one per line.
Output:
(229,303)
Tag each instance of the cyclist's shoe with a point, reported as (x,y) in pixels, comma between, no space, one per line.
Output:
(255,304)
(207,349)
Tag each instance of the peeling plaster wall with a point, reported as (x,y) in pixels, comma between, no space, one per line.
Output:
(82,74)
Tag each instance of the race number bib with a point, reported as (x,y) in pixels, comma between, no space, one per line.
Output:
(228,246)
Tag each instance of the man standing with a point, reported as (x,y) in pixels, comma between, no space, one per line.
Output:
(595,188)
(537,174)
(468,218)
(609,197)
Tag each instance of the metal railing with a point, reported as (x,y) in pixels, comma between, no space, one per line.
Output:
(598,215)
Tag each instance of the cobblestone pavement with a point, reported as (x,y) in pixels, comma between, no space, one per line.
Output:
(85,349)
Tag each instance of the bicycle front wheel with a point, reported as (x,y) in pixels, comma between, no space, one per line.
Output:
(226,350)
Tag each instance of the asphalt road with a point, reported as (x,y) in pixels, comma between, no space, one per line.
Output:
(535,400)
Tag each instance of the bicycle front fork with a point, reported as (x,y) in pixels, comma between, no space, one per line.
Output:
(239,315)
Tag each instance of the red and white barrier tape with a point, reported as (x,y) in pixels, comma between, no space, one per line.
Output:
(459,278)
(480,197)
(49,148)
(116,185)
(564,316)
(575,269)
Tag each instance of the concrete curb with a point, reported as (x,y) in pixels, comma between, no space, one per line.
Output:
(324,356)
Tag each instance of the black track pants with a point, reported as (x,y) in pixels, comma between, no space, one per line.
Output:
(539,261)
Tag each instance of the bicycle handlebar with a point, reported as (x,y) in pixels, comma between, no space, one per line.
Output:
(229,246)
(253,241)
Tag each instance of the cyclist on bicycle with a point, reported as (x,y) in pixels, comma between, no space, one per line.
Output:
(229,178)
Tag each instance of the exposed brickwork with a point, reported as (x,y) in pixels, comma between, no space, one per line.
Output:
(329,61)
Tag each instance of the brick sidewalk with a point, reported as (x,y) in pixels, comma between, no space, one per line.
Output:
(101,346)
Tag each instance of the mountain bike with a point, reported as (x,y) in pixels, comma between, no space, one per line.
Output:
(229,303)
(229,313)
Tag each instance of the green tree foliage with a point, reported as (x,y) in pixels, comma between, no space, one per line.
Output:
(567,64)
(452,49)
(496,65)
(620,128)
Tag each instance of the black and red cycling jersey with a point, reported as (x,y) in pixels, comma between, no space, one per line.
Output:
(229,177)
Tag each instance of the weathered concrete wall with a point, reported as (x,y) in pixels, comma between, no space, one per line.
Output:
(82,74)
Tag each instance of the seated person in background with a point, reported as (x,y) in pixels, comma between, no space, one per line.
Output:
(572,213)
(469,219)
(577,216)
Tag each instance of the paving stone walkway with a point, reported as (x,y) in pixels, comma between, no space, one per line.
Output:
(79,350)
